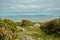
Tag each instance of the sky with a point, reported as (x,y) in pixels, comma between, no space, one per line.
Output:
(30,7)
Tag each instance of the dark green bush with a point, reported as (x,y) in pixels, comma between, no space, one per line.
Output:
(1,36)
(52,26)
(26,23)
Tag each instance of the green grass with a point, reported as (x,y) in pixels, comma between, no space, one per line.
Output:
(9,31)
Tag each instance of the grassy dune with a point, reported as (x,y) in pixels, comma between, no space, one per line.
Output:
(28,30)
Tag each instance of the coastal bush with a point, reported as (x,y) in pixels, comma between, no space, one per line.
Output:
(26,23)
(52,26)
(8,30)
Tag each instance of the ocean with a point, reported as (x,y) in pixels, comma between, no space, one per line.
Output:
(34,18)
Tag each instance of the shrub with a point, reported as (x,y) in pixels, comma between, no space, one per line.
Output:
(52,26)
(26,23)
(8,30)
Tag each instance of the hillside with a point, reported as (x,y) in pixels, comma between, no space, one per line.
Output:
(28,30)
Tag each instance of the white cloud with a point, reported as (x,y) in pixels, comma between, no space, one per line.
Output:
(50,9)
(28,6)
(28,1)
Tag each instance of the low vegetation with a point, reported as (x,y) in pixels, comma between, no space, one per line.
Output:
(27,23)
(52,26)
(10,30)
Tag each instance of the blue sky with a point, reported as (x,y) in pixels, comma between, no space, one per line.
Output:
(30,7)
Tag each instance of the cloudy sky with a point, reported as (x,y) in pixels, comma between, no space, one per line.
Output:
(30,7)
